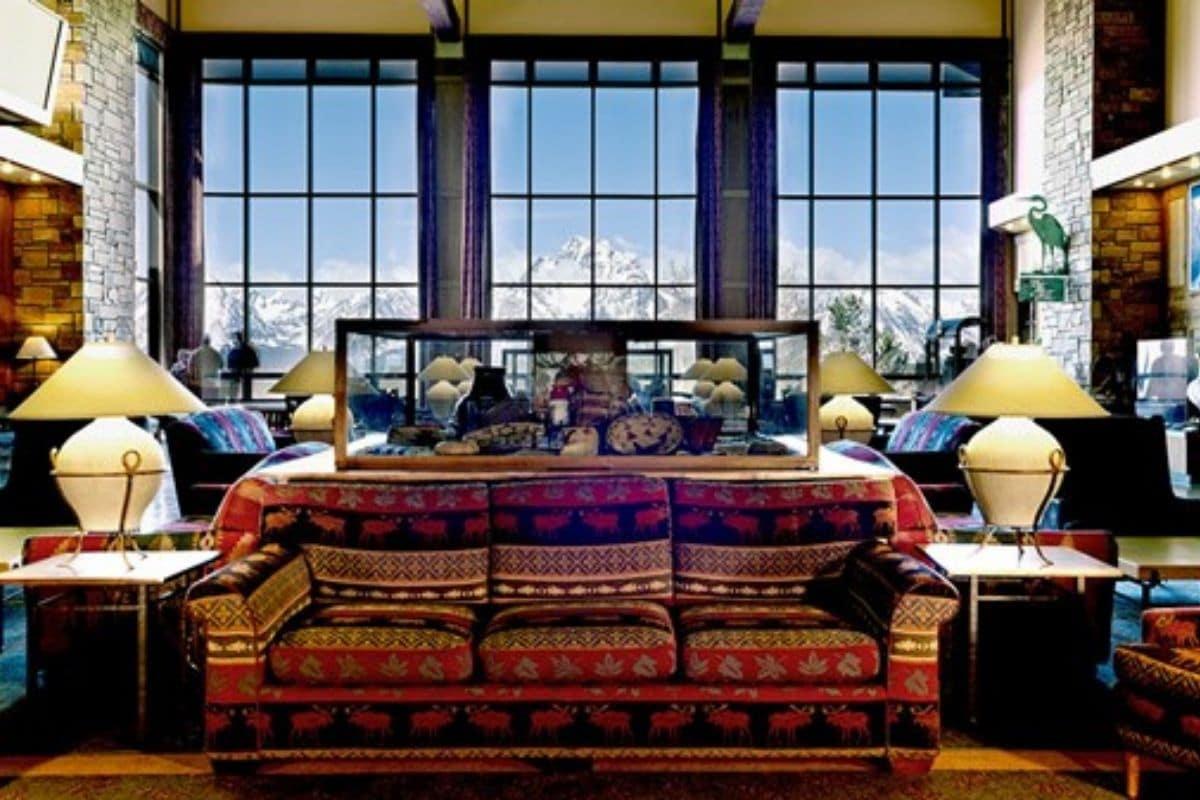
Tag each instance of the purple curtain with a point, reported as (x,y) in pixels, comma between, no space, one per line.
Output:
(708,192)
(427,255)
(476,187)
(763,180)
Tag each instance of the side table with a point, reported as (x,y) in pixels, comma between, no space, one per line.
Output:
(153,577)
(971,563)
(1150,560)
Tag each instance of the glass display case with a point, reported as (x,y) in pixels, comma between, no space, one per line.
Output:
(450,395)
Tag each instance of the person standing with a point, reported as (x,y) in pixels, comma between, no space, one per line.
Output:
(241,362)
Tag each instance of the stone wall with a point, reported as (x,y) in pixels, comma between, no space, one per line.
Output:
(1065,329)
(1128,278)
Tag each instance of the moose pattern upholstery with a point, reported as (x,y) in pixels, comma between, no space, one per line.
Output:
(839,660)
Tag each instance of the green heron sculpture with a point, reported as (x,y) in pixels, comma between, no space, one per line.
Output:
(1050,231)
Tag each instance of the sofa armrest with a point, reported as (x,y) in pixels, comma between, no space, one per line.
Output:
(891,591)
(238,610)
(1171,627)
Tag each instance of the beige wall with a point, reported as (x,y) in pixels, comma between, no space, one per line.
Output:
(875,18)
(1183,61)
(1029,93)
(303,16)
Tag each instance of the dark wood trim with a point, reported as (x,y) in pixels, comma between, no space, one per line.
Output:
(443,18)
(743,16)
(8,299)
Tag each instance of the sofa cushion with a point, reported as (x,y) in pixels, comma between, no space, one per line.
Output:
(385,542)
(376,644)
(232,429)
(772,539)
(578,538)
(618,641)
(929,431)
(774,643)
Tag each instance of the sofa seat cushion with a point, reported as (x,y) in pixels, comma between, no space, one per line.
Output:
(376,644)
(614,641)
(758,643)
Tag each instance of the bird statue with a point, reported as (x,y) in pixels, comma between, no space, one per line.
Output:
(1049,231)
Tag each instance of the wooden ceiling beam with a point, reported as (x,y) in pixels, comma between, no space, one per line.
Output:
(743,16)
(443,18)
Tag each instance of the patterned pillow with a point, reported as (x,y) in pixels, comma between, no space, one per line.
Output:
(581,538)
(385,542)
(772,539)
(931,432)
(232,429)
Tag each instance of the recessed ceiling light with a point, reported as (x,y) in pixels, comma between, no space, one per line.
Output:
(35,178)
(1165,172)
(6,168)
(1194,162)
(1150,185)
(1137,181)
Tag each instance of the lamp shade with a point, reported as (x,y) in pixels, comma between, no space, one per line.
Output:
(726,369)
(847,373)
(469,364)
(444,368)
(1015,380)
(36,347)
(313,374)
(697,370)
(108,379)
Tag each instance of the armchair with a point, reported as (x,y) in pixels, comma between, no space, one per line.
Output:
(210,450)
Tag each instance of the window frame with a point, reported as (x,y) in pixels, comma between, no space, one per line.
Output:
(155,193)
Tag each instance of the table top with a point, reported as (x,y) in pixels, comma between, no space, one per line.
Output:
(109,568)
(1158,552)
(1005,561)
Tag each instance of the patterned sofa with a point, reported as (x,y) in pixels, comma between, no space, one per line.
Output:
(583,618)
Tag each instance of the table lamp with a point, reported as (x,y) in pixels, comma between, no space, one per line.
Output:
(443,372)
(468,364)
(110,470)
(35,349)
(1014,466)
(313,377)
(844,375)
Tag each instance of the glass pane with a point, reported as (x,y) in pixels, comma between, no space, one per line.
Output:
(148,227)
(402,70)
(330,305)
(625,141)
(676,302)
(634,303)
(561,302)
(222,138)
(843,142)
(560,70)
(842,242)
(904,248)
(793,241)
(278,240)
(278,139)
(562,243)
(561,140)
(962,72)
(508,70)
(396,240)
(141,315)
(677,114)
(678,72)
(792,73)
(396,139)
(960,143)
(792,304)
(905,73)
(628,71)
(510,127)
(902,319)
(397,302)
(278,69)
(223,314)
(149,131)
(342,69)
(677,241)
(223,239)
(341,138)
(845,316)
(842,73)
(792,127)
(222,68)
(510,302)
(625,242)
(341,240)
(959,241)
(905,142)
(278,326)
(509,241)
(958,303)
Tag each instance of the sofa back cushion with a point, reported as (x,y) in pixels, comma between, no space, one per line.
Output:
(770,539)
(231,429)
(931,432)
(385,542)
(579,538)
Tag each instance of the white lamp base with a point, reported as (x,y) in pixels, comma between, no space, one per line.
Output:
(1014,467)
(843,417)
(312,421)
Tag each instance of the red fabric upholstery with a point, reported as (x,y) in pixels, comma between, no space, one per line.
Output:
(586,642)
(376,644)
(756,643)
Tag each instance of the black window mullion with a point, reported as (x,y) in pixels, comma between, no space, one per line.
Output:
(874,291)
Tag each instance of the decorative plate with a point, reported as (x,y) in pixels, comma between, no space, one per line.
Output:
(644,435)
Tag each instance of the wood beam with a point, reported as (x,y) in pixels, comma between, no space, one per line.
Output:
(743,16)
(443,18)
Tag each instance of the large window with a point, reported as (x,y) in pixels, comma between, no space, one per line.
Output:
(879,228)
(593,189)
(310,200)
(148,182)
